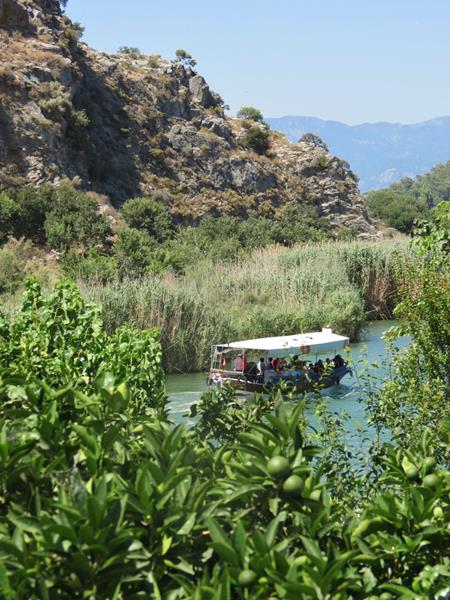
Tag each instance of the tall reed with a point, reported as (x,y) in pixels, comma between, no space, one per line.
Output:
(274,291)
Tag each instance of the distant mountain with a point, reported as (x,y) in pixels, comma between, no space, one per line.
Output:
(379,153)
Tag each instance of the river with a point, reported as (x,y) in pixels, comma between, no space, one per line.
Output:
(183,390)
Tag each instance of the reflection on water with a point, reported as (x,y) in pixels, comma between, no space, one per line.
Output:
(184,390)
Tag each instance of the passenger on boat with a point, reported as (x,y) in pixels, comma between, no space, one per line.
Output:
(261,367)
(251,371)
(269,364)
(338,361)
(238,363)
(275,362)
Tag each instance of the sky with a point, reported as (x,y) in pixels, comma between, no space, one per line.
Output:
(348,60)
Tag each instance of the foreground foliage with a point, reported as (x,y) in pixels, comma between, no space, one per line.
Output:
(102,497)
(97,503)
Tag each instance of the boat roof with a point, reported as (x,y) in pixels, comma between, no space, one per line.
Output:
(317,341)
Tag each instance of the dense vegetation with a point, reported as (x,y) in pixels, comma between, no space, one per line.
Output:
(102,497)
(223,278)
(409,200)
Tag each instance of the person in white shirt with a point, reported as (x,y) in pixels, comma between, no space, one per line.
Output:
(261,370)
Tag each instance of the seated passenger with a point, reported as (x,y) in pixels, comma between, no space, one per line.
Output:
(238,363)
(251,371)
(338,361)
(269,364)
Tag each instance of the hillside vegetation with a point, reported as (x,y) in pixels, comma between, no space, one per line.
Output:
(409,200)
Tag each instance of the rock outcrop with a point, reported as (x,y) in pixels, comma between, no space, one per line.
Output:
(125,125)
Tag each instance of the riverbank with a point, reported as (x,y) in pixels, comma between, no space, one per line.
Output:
(275,291)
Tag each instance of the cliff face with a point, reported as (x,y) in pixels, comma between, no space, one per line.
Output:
(126,124)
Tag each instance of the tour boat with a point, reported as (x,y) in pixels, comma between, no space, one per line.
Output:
(305,360)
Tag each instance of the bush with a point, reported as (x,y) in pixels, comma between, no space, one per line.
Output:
(73,219)
(13,258)
(130,50)
(249,113)
(401,211)
(148,215)
(10,217)
(256,139)
(91,266)
(185,58)
(60,339)
(133,251)
(314,140)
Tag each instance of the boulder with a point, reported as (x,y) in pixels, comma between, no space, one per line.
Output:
(200,92)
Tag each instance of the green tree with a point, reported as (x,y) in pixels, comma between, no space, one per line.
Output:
(401,211)
(74,219)
(185,58)
(10,217)
(131,50)
(313,139)
(133,251)
(417,396)
(299,225)
(250,113)
(149,215)
(257,139)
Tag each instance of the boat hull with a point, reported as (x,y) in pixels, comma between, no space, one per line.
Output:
(241,384)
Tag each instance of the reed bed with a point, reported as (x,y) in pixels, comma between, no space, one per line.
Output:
(272,292)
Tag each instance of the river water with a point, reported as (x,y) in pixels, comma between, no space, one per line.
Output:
(183,390)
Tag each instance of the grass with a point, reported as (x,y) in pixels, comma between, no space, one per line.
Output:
(274,291)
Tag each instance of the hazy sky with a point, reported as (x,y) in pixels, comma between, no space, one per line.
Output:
(349,60)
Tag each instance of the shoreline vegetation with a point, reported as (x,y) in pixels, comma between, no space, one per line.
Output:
(274,291)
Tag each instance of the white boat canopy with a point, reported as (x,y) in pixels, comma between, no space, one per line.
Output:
(300,343)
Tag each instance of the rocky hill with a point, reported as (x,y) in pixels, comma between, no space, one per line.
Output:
(125,125)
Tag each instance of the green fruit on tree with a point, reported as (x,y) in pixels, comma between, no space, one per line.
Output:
(278,466)
(429,463)
(385,596)
(408,467)
(438,513)
(431,481)
(293,485)
(411,472)
(247,577)
(315,495)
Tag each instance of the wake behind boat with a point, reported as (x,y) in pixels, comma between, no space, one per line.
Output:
(302,359)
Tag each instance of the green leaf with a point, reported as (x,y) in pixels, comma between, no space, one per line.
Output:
(188,525)
(5,587)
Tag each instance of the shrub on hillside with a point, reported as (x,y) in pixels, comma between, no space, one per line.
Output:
(250,113)
(257,139)
(73,219)
(401,211)
(133,252)
(314,140)
(13,258)
(91,266)
(10,217)
(150,215)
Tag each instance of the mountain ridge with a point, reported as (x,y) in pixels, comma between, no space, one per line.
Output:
(381,152)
